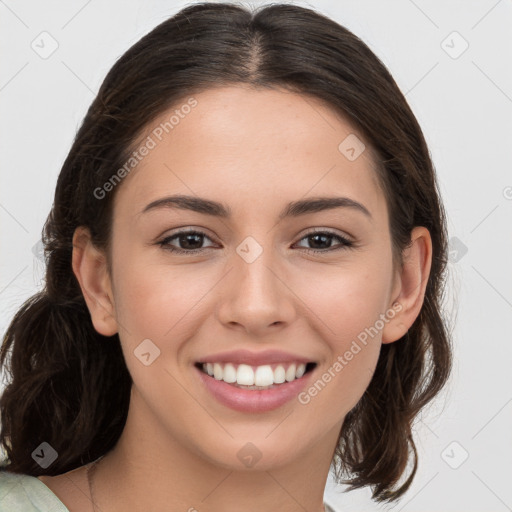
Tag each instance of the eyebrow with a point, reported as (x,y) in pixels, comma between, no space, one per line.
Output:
(293,209)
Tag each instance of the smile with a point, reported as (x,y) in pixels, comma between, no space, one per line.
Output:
(256,377)
(255,389)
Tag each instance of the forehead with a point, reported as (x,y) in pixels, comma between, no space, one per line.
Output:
(252,146)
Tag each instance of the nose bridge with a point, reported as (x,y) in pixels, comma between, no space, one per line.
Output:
(255,280)
(256,295)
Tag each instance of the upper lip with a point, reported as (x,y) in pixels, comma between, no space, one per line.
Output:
(255,358)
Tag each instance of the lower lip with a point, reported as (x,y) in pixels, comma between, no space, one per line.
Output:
(246,400)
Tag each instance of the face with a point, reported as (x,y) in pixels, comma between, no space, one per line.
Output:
(251,279)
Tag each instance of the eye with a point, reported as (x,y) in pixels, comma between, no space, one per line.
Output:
(190,241)
(323,238)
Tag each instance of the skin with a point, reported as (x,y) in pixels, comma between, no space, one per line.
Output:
(254,150)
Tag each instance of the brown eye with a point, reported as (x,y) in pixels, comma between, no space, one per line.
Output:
(188,241)
(321,241)
(191,242)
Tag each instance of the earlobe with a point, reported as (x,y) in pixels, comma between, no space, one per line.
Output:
(413,278)
(90,268)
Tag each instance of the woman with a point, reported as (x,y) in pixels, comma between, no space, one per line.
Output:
(245,260)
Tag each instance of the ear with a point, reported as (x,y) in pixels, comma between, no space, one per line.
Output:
(411,282)
(90,268)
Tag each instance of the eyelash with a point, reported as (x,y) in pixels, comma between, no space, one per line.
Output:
(345,243)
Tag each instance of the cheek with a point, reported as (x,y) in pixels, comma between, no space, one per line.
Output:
(156,299)
(344,300)
(347,304)
(160,304)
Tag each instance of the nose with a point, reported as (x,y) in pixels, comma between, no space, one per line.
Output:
(255,296)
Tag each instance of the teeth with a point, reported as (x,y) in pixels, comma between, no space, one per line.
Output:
(217,371)
(264,376)
(245,375)
(229,373)
(259,376)
(290,373)
(279,375)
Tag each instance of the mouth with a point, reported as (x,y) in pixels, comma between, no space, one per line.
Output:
(250,377)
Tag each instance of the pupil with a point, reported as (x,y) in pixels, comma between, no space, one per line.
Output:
(316,237)
(189,236)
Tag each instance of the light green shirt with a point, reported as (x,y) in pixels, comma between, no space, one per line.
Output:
(26,493)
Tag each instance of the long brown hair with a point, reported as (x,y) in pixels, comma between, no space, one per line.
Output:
(65,376)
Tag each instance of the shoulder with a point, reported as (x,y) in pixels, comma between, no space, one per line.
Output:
(26,493)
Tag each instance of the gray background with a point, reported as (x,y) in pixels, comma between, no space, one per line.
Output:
(463,101)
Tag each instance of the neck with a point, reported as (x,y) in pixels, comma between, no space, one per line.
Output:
(148,469)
